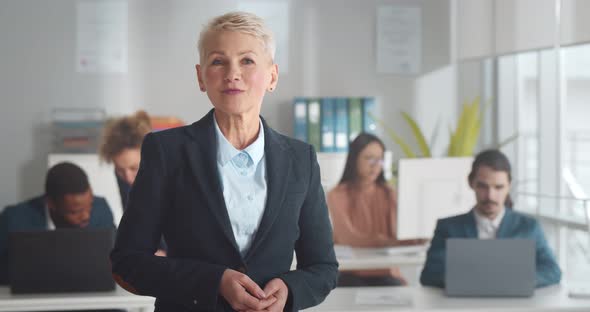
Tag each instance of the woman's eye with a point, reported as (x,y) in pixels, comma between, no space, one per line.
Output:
(248,61)
(216,62)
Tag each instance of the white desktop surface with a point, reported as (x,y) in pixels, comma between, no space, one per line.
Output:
(375,258)
(117,299)
(553,298)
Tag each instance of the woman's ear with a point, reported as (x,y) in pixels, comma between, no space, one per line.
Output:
(200,78)
(274,78)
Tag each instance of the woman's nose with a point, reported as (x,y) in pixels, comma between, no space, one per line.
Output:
(233,73)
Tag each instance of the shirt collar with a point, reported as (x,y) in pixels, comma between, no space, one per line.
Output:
(50,224)
(482,220)
(226,151)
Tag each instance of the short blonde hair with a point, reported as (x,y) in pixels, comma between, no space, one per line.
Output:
(123,133)
(243,22)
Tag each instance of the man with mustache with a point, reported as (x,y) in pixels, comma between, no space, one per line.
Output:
(67,203)
(492,217)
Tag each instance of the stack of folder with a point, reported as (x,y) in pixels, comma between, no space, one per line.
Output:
(76,130)
(330,123)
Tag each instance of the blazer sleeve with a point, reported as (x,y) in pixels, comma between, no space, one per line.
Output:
(548,271)
(433,273)
(186,282)
(317,268)
(4,247)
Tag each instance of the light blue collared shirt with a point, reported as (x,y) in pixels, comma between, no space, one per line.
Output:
(243,181)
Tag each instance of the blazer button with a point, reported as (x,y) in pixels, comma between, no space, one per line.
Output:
(242,270)
(195,301)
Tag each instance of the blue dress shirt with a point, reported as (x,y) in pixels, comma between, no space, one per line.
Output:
(243,181)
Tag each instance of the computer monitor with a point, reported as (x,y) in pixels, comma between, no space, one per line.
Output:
(429,189)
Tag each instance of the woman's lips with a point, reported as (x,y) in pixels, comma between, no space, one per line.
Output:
(232,91)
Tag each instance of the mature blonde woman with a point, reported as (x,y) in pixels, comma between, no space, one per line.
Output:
(232,197)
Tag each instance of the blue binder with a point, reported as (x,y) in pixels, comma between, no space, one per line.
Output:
(341,125)
(369,106)
(300,119)
(327,124)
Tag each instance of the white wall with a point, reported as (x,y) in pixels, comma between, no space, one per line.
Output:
(37,73)
(488,27)
(332,53)
(575,24)
(475,28)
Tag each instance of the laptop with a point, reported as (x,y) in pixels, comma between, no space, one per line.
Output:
(63,260)
(490,268)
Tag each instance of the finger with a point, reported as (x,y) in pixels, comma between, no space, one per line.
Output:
(263,304)
(271,288)
(277,306)
(252,287)
(252,303)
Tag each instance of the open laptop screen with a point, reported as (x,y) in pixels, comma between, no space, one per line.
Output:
(64,260)
(496,267)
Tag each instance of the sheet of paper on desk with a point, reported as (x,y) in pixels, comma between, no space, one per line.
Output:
(343,252)
(400,250)
(381,297)
(579,291)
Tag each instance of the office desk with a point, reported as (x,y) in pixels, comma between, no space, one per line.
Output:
(375,258)
(117,299)
(553,298)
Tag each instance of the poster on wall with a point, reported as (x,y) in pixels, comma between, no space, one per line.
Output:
(276,16)
(399,40)
(101,37)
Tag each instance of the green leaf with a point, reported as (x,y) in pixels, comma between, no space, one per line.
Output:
(507,141)
(395,138)
(452,144)
(418,134)
(466,135)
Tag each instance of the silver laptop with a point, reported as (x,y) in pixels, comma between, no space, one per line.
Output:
(490,268)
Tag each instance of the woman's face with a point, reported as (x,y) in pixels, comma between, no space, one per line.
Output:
(370,162)
(127,163)
(236,71)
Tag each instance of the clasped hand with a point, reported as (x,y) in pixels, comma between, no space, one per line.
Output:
(243,294)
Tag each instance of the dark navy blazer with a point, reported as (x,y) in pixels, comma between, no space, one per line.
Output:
(177,193)
(513,225)
(30,216)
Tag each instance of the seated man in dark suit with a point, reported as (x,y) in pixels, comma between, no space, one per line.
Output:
(492,217)
(68,202)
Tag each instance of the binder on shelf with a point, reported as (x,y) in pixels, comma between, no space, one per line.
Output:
(355,117)
(341,124)
(369,124)
(300,119)
(331,123)
(313,124)
(76,130)
(328,122)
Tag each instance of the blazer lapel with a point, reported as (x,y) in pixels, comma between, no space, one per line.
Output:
(470,227)
(506,224)
(39,220)
(202,158)
(278,167)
